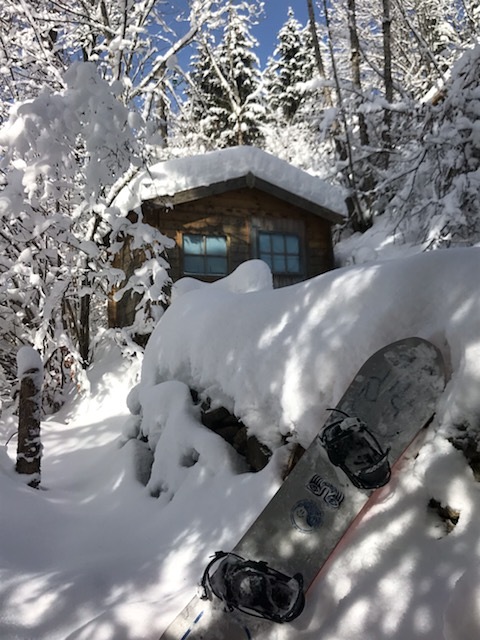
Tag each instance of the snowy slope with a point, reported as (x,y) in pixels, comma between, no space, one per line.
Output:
(94,556)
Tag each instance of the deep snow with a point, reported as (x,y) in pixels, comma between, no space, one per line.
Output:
(181,174)
(94,556)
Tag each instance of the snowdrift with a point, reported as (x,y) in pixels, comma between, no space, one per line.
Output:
(96,555)
(278,359)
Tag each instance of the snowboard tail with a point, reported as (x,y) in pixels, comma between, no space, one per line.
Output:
(385,407)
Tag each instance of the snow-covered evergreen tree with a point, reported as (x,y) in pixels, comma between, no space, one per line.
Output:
(225,106)
(294,95)
(291,66)
(202,118)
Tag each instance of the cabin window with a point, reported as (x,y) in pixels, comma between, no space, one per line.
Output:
(204,255)
(281,251)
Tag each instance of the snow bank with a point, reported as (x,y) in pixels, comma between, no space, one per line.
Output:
(279,358)
(254,275)
(180,174)
(97,556)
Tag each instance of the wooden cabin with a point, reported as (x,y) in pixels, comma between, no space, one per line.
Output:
(232,205)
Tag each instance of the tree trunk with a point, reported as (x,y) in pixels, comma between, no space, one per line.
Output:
(29,446)
(318,54)
(161,107)
(84,330)
(358,220)
(387,72)
(355,61)
(316,44)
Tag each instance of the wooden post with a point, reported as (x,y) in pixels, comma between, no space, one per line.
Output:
(29,447)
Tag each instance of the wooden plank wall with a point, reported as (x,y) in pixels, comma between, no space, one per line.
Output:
(238,214)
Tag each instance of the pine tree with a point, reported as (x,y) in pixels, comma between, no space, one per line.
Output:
(224,106)
(295,97)
(203,119)
(291,65)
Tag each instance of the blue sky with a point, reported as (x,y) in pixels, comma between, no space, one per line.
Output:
(275,15)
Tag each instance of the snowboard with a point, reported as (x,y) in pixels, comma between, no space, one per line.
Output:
(390,400)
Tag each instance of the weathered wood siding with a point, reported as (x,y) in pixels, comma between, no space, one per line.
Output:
(238,215)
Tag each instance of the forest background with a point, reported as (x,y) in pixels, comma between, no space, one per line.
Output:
(381,98)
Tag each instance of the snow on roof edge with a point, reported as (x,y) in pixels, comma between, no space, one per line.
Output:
(181,174)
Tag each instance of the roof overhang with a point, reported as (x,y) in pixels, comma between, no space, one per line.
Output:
(249,181)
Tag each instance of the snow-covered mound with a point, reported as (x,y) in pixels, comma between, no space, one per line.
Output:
(96,555)
(278,359)
(254,275)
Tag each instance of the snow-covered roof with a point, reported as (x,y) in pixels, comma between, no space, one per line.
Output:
(233,168)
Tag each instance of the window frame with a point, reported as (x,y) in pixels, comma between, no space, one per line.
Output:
(204,255)
(285,253)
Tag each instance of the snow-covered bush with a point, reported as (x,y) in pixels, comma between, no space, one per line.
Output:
(436,200)
(64,155)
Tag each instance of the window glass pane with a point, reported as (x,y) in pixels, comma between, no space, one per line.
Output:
(205,255)
(278,243)
(264,242)
(216,246)
(293,264)
(292,244)
(279,265)
(216,265)
(281,251)
(193,264)
(193,245)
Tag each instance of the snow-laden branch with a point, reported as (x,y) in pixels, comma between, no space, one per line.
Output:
(66,153)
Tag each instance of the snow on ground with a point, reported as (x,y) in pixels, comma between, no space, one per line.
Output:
(95,555)
(385,240)
(279,358)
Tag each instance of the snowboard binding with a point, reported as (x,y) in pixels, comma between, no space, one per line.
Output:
(253,588)
(352,447)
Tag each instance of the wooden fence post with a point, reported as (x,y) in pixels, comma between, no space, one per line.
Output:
(29,447)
